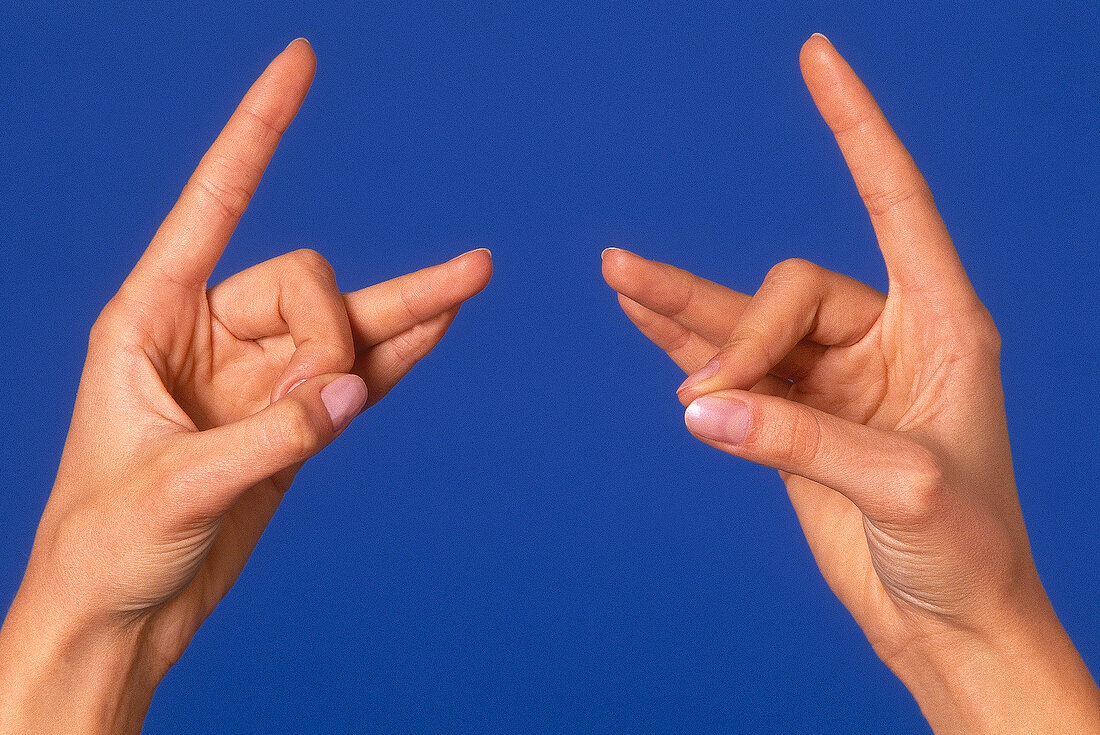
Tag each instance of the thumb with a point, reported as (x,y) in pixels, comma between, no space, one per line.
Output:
(888,475)
(227,460)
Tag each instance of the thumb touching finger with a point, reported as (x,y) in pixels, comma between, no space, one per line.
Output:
(227,460)
(889,476)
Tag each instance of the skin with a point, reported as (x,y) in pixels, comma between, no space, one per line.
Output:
(190,423)
(885,416)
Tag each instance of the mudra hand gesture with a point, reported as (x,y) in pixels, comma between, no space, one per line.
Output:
(885,416)
(196,408)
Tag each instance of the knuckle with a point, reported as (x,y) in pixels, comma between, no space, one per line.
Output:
(335,356)
(110,325)
(800,444)
(681,301)
(853,123)
(794,269)
(230,197)
(102,329)
(971,335)
(882,201)
(174,490)
(922,483)
(295,431)
(312,263)
(411,303)
(406,346)
(984,332)
(263,121)
(678,339)
(746,339)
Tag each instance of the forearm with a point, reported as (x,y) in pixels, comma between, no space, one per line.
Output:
(1028,678)
(60,678)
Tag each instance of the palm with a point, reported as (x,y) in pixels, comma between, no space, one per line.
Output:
(229,378)
(213,377)
(854,383)
(198,377)
(876,380)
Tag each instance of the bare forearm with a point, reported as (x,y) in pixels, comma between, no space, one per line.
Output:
(1028,679)
(55,679)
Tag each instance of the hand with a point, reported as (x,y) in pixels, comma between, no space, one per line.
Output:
(195,410)
(885,417)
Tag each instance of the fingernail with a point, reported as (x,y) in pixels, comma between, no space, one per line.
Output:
(296,40)
(277,395)
(719,419)
(487,250)
(343,398)
(822,35)
(605,251)
(707,371)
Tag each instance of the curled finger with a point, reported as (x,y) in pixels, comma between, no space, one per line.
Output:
(797,301)
(293,294)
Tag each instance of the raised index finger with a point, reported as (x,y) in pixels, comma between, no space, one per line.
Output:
(194,234)
(914,241)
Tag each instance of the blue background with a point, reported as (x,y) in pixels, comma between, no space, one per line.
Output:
(522,537)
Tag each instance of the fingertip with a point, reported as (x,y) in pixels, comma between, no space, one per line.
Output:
(698,378)
(816,55)
(300,51)
(344,398)
(313,359)
(614,264)
(817,40)
(286,388)
(723,419)
(816,46)
(483,257)
(837,91)
(473,253)
(477,266)
(300,45)
(617,254)
(467,274)
(690,393)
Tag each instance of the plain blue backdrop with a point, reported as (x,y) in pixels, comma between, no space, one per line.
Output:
(522,537)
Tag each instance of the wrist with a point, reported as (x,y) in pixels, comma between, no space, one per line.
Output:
(1021,675)
(60,676)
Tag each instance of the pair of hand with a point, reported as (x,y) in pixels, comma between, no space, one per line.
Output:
(883,413)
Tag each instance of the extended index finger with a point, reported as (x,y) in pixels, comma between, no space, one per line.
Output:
(914,241)
(189,242)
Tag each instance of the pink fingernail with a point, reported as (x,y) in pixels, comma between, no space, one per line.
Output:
(719,419)
(707,371)
(343,398)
